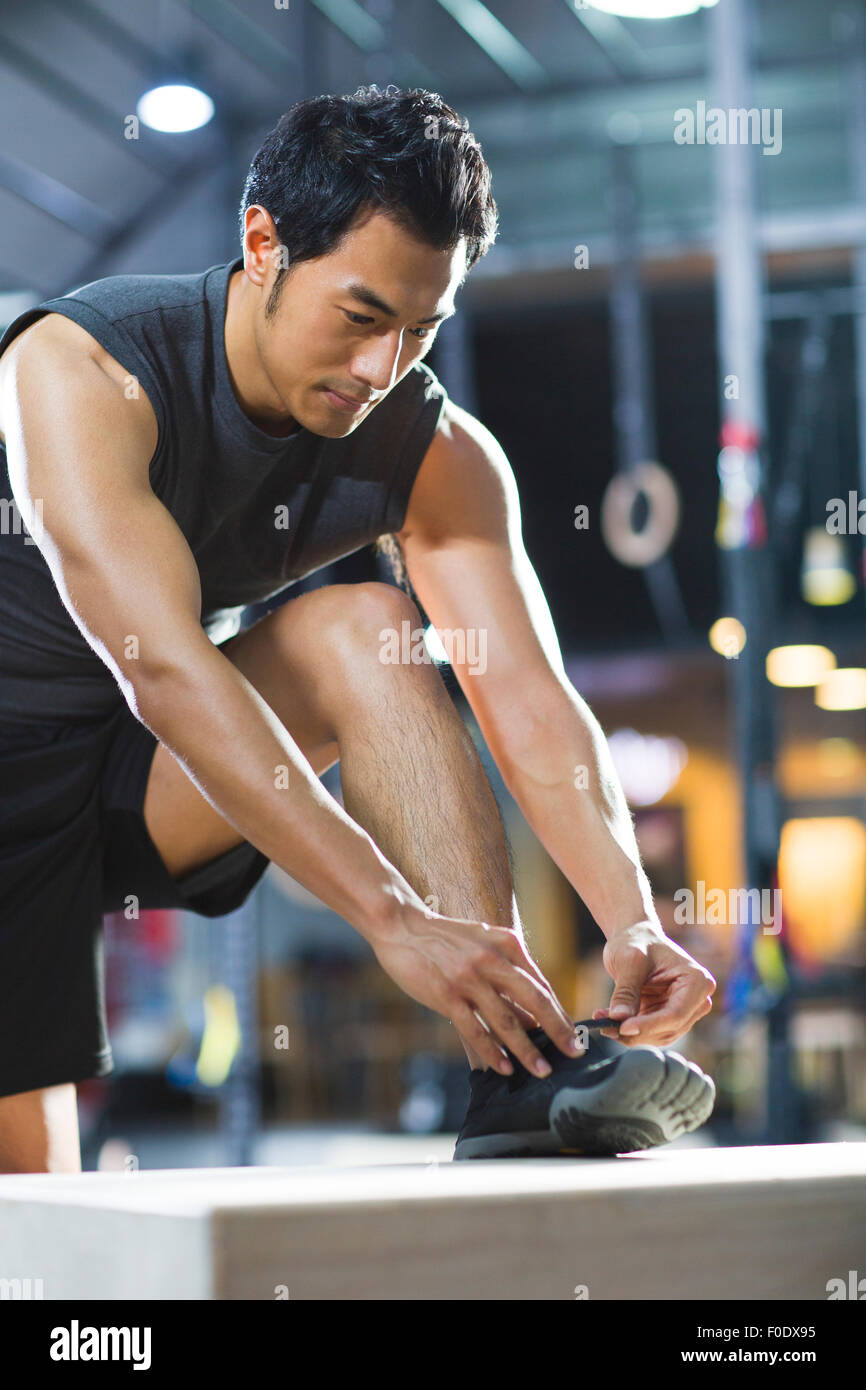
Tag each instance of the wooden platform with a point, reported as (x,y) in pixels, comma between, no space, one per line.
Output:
(754,1223)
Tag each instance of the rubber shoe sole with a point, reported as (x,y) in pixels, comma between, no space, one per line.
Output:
(650,1098)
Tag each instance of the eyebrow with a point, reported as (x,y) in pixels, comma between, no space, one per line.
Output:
(357,290)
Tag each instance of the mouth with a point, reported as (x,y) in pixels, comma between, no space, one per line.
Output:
(345,402)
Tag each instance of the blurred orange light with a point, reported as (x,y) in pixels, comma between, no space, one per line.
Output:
(727,637)
(822,875)
(844,688)
(799,665)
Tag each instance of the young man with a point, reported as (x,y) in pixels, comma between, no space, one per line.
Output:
(180,446)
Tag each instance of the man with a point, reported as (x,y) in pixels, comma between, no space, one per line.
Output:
(181,446)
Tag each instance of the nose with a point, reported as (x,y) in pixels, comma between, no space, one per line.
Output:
(377,363)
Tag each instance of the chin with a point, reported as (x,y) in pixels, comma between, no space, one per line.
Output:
(339,430)
(330,429)
(335,425)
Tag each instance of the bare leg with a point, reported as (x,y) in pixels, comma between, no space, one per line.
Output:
(410,773)
(39,1131)
(411,776)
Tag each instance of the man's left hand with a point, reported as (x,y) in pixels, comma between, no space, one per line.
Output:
(660,991)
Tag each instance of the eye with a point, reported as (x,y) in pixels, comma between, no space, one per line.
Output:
(361,319)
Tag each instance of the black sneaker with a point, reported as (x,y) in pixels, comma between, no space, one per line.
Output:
(613,1099)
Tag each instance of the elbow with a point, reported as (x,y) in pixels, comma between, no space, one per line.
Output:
(153,692)
(176,683)
(146,697)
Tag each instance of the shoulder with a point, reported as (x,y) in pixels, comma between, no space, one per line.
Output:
(57,334)
(56,344)
(60,337)
(465,481)
(462,441)
(49,340)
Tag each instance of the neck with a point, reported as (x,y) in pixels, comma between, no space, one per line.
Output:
(253,390)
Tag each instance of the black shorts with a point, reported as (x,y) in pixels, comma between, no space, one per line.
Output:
(74,845)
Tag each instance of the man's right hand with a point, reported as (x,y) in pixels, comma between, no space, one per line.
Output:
(480,977)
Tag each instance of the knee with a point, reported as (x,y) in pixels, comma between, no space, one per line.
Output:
(356,639)
(370,618)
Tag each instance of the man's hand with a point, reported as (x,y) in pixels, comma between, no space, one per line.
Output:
(481,978)
(660,990)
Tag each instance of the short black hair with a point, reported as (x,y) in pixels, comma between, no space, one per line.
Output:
(406,152)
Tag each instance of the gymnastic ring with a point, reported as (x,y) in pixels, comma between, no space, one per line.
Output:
(644,547)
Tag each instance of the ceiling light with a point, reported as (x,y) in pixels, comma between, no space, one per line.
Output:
(175,108)
(649,9)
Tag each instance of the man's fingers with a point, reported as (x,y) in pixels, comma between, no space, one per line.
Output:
(685,998)
(683,994)
(512,996)
(628,987)
(504,1025)
(660,1027)
(473,1031)
(527,1019)
(534,994)
(701,1012)
(537,998)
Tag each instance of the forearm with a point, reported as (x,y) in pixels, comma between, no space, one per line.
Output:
(244,761)
(567,787)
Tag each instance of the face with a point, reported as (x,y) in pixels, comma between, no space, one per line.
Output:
(350,324)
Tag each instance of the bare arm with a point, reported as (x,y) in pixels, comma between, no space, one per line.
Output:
(129,580)
(466,558)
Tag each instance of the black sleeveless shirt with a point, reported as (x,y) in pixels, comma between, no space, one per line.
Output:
(258,512)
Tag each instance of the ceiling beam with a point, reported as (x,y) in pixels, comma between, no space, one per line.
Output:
(498,43)
(240,32)
(56,199)
(354,23)
(610,37)
(106,28)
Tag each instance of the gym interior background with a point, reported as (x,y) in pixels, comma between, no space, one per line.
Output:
(669,340)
